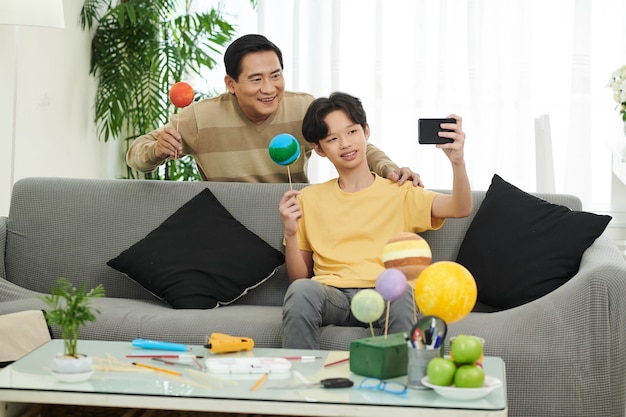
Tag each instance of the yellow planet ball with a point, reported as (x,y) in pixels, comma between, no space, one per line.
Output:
(446,289)
(408,252)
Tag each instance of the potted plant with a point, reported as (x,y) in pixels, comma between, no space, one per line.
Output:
(70,310)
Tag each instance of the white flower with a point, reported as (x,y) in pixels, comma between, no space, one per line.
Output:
(617,83)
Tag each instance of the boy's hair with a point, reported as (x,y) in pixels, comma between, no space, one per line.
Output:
(244,45)
(315,129)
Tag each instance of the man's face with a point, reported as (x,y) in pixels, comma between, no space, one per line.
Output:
(260,86)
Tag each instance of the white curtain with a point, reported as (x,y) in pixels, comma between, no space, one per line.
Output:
(498,64)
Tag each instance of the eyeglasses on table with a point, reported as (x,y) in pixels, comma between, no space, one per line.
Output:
(390,387)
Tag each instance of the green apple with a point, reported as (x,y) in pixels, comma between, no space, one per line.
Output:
(466,349)
(469,376)
(440,371)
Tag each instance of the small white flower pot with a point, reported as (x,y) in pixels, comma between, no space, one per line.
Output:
(70,369)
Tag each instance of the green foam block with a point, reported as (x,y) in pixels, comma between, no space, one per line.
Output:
(379,357)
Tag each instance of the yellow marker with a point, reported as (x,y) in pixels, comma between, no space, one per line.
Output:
(154,368)
(259,382)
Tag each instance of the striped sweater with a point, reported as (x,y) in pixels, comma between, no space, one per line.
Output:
(227,146)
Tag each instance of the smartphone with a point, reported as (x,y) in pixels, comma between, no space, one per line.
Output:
(428,129)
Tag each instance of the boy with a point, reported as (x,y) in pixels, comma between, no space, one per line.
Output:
(335,231)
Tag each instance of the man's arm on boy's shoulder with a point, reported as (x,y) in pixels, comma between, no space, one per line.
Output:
(379,162)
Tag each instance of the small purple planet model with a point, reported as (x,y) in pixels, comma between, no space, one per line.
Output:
(284,149)
(391,284)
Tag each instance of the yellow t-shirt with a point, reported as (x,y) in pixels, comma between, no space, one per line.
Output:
(347,231)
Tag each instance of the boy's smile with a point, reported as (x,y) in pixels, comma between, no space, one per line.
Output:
(349,156)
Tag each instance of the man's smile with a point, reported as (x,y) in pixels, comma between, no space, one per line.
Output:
(267,100)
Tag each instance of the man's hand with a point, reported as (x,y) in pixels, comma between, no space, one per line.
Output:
(168,144)
(403,174)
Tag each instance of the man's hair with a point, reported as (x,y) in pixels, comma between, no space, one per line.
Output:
(315,129)
(244,45)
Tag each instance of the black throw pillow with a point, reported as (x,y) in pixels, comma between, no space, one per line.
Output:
(520,247)
(199,257)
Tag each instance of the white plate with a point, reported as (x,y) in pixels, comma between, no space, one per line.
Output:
(72,378)
(465,394)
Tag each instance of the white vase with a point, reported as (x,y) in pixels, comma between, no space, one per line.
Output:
(71,369)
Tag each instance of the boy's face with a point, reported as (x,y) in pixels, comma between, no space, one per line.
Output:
(260,86)
(346,143)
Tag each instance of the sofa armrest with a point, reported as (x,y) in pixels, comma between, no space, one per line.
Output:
(3,245)
(566,351)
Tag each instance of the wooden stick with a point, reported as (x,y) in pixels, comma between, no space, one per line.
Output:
(289,173)
(414,308)
(177,124)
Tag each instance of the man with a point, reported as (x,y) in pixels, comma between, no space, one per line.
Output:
(229,135)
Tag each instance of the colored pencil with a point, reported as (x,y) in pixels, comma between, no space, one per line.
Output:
(337,362)
(154,368)
(165,356)
(259,382)
(302,358)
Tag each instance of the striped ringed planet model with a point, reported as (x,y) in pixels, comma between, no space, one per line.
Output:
(408,252)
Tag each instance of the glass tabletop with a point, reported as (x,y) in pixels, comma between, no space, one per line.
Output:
(116,374)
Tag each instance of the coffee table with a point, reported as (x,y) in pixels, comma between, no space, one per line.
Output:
(117,383)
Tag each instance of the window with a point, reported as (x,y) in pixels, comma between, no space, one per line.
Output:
(497,64)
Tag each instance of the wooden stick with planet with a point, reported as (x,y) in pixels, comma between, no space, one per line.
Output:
(367,306)
(284,149)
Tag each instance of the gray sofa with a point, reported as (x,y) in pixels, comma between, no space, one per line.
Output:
(565,353)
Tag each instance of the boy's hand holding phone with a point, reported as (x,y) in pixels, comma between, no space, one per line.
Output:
(428,131)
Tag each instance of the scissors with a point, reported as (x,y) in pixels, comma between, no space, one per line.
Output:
(324,383)
(417,337)
(429,332)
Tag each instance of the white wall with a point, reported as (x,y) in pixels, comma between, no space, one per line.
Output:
(55,134)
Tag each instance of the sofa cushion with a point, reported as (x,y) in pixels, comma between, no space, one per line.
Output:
(199,257)
(520,247)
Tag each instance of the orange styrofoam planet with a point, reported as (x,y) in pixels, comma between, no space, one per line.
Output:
(181,94)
